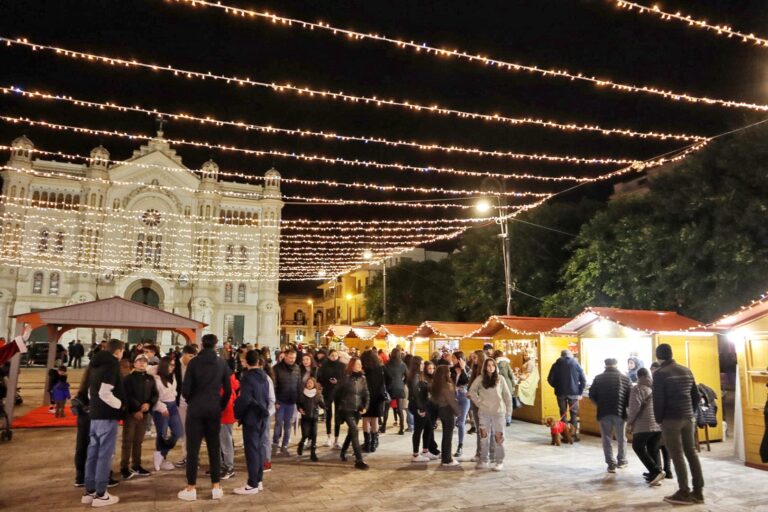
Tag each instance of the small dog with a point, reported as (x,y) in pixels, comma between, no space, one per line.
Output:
(560,429)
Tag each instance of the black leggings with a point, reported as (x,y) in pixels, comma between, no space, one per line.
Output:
(351,418)
(399,411)
(309,431)
(196,429)
(422,432)
(449,421)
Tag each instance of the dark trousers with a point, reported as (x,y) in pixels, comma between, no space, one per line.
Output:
(646,446)
(448,420)
(422,431)
(253,441)
(399,411)
(329,417)
(76,362)
(133,436)
(198,428)
(350,418)
(309,431)
(81,445)
(563,403)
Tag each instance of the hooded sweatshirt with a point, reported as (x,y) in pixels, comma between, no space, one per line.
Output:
(105,387)
(495,400)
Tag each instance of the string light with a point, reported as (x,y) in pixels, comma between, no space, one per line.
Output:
(463,55)
(297,156)
(406,104)
(726,30)
(35,95)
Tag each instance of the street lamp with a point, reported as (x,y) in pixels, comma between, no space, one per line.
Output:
(349,310)
(484,206)
(368,255)
(311,318)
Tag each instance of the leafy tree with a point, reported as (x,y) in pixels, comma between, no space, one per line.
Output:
(416,291)
(698,241)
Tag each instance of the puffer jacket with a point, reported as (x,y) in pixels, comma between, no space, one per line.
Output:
(495,400)
(567,377)
(352,393)
(394,374)
(287,382)
(610,392)
(330,370)
(675,395)
(505,370)
(640,415)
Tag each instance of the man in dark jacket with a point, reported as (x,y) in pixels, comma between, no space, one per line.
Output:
(329,376)
(76,354)
(105,388)
(287,389)
(569,381)
(179,372)
(675,398)
(140,396)
(610,392)
(206,376)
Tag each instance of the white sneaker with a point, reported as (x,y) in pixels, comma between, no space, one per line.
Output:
(336,445)
(329,442)
(261,486)
(498,467)
(246,489)
(453,463)
(217,493)
(481,465)
(419,458)
(167,465)
(104,501)
(87,498)
(157,460)
(431,456)
(187,495)
(474,459)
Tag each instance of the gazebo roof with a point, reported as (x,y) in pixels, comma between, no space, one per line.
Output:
(518,324)
(114,312)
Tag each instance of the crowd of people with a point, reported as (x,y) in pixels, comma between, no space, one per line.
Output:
(192,396)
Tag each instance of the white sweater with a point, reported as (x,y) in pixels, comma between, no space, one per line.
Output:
(166,394)
(495,400)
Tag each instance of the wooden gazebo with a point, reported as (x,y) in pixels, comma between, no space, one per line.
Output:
(112,313)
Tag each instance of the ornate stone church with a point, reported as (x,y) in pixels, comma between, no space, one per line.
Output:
(148,229)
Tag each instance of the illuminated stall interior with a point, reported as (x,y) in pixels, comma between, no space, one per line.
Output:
(433,336)
(359,338)
(747,329)
(625,333)
(530,345)
(333,336)
(389,336)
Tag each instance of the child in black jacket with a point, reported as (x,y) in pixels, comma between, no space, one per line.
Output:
(310,403)
(140,396)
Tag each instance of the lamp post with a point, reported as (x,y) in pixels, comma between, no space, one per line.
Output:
(349,310)
(368,255)
(484,206)
(311,318)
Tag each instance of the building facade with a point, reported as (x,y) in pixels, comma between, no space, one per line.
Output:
(301,318)
(147,229)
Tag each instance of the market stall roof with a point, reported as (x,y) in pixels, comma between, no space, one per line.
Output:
(364,333)
(446,329)
(337,331)
(638,319)
(112,313)
(398,331)
(746,314)
(518,324)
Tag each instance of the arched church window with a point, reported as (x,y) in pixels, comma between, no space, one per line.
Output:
(42,245)
(228,292)
(37,282)
(241,293)
(243,255)
(229,257)
(59,247)
(53,285)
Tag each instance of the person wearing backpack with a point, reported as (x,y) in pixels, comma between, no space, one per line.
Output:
(252,410)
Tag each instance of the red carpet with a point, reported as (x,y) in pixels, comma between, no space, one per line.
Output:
(41,418)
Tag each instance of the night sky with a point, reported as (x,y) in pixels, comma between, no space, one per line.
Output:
(593,37)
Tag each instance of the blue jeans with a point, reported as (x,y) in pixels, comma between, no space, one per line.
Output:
(461,419)
(608,425)
(165,444)
(409,419)
(283,420)
(101,449)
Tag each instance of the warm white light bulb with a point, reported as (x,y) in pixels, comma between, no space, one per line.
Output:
(483,206)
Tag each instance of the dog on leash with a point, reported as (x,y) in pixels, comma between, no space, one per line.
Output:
(560,430)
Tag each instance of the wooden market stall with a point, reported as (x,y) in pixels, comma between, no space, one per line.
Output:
(360,338)
(531,345)
(625,333)
(747,329)
(389,336)
(333,336)
(432,336)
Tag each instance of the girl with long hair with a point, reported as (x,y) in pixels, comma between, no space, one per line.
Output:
(491,394)
(395,375)
(460,379)
(166,414)
(418,404)
(444,398)
(374,377)
(352,401)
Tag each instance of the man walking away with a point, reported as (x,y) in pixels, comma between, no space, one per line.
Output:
(179,373)
(105,388)
(569,381)
(675,398)
(287,389)
(610,392)
(205,377)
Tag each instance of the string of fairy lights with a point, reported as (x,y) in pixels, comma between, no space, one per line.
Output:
(719,29)
(93,240)
(463,55)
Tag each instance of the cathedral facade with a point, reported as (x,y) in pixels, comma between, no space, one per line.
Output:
(148,229)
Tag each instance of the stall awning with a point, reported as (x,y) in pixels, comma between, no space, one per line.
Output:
(363,333)
(640,320)
(398,331)
(518,324)
(446,329)
(337,331)
(755,309)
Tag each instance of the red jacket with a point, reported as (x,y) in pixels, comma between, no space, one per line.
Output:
(228,414)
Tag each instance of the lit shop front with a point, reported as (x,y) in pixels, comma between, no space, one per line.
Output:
(431,337)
